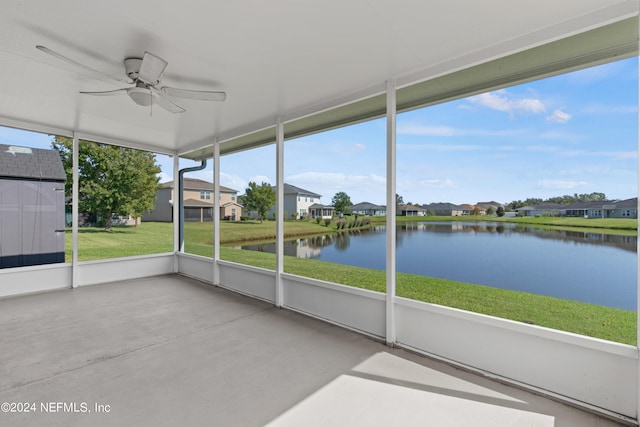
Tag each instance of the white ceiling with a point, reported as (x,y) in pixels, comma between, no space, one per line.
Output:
(273,58)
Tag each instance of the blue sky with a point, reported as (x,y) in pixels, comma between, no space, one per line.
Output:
(573,133)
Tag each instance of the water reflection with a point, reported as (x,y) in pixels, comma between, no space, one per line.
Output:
(579,265)
(628,243)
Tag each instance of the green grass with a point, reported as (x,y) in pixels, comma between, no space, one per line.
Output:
(581,318)
(587,319)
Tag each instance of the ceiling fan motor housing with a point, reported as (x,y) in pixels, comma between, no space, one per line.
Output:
(132,67)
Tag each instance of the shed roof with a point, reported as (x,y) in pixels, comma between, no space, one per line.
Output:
(30,163)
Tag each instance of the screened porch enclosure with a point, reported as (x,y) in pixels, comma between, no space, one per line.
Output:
(252,324)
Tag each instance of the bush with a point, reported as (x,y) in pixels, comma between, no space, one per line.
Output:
(318,219)
(327,221)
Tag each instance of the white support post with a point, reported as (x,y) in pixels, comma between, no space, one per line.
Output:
(638,274)
(279,212)
(216,212)
(391,212)
(74,210)
(176,211)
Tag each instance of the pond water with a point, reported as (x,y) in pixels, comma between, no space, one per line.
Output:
(582,266)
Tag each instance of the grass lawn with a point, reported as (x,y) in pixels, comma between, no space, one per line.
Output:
(587,319)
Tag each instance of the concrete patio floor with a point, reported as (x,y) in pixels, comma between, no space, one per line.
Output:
(168,350)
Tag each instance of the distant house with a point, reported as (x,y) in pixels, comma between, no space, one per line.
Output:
(318,210)
(32,206)
(489,205)
(297,201)
(446,209)
(627,208)
(366,208)
(474,210)
(198,202)
(543,209)
(410,210)
(601,209)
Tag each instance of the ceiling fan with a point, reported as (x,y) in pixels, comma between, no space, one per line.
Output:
(145,74)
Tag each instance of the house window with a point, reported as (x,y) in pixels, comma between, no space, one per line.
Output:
(233,197)
(205,195)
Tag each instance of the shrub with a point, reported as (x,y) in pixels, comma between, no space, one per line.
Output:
(318,219)
(327,221)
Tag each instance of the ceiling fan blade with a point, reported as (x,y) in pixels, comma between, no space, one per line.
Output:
(151,68)
(107,92)
(165,102)
(200,95)
(76,64)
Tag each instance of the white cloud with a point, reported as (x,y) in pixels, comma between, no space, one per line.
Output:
(233,181)
(502,100)
(597,108)
(560,184)
(438,183)
(440,147)
(350,148)
(421,130)
(559,116)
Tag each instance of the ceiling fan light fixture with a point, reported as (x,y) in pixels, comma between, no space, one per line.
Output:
(141,96)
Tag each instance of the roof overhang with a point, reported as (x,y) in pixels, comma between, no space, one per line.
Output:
(313,66)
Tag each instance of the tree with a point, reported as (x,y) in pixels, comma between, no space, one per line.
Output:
(399,200)
(500,211)
(259,198)
(341,201)
(112,180)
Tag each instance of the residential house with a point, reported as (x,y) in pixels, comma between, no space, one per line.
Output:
(318,210)
(473,210)
(366,208)
(297,201)
(543,209)
(198,202)
(410,210)
(489,207)
(446,209)
(627,208)
(598,209)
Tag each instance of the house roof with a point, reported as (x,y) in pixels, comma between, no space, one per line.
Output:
(292,189)
(199,184)
(410,208)
(542,206)
(321,64)
(366,206)
(487,205)
(627,204)
(30,163)
(231,204)
(444,206)
(320,206)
